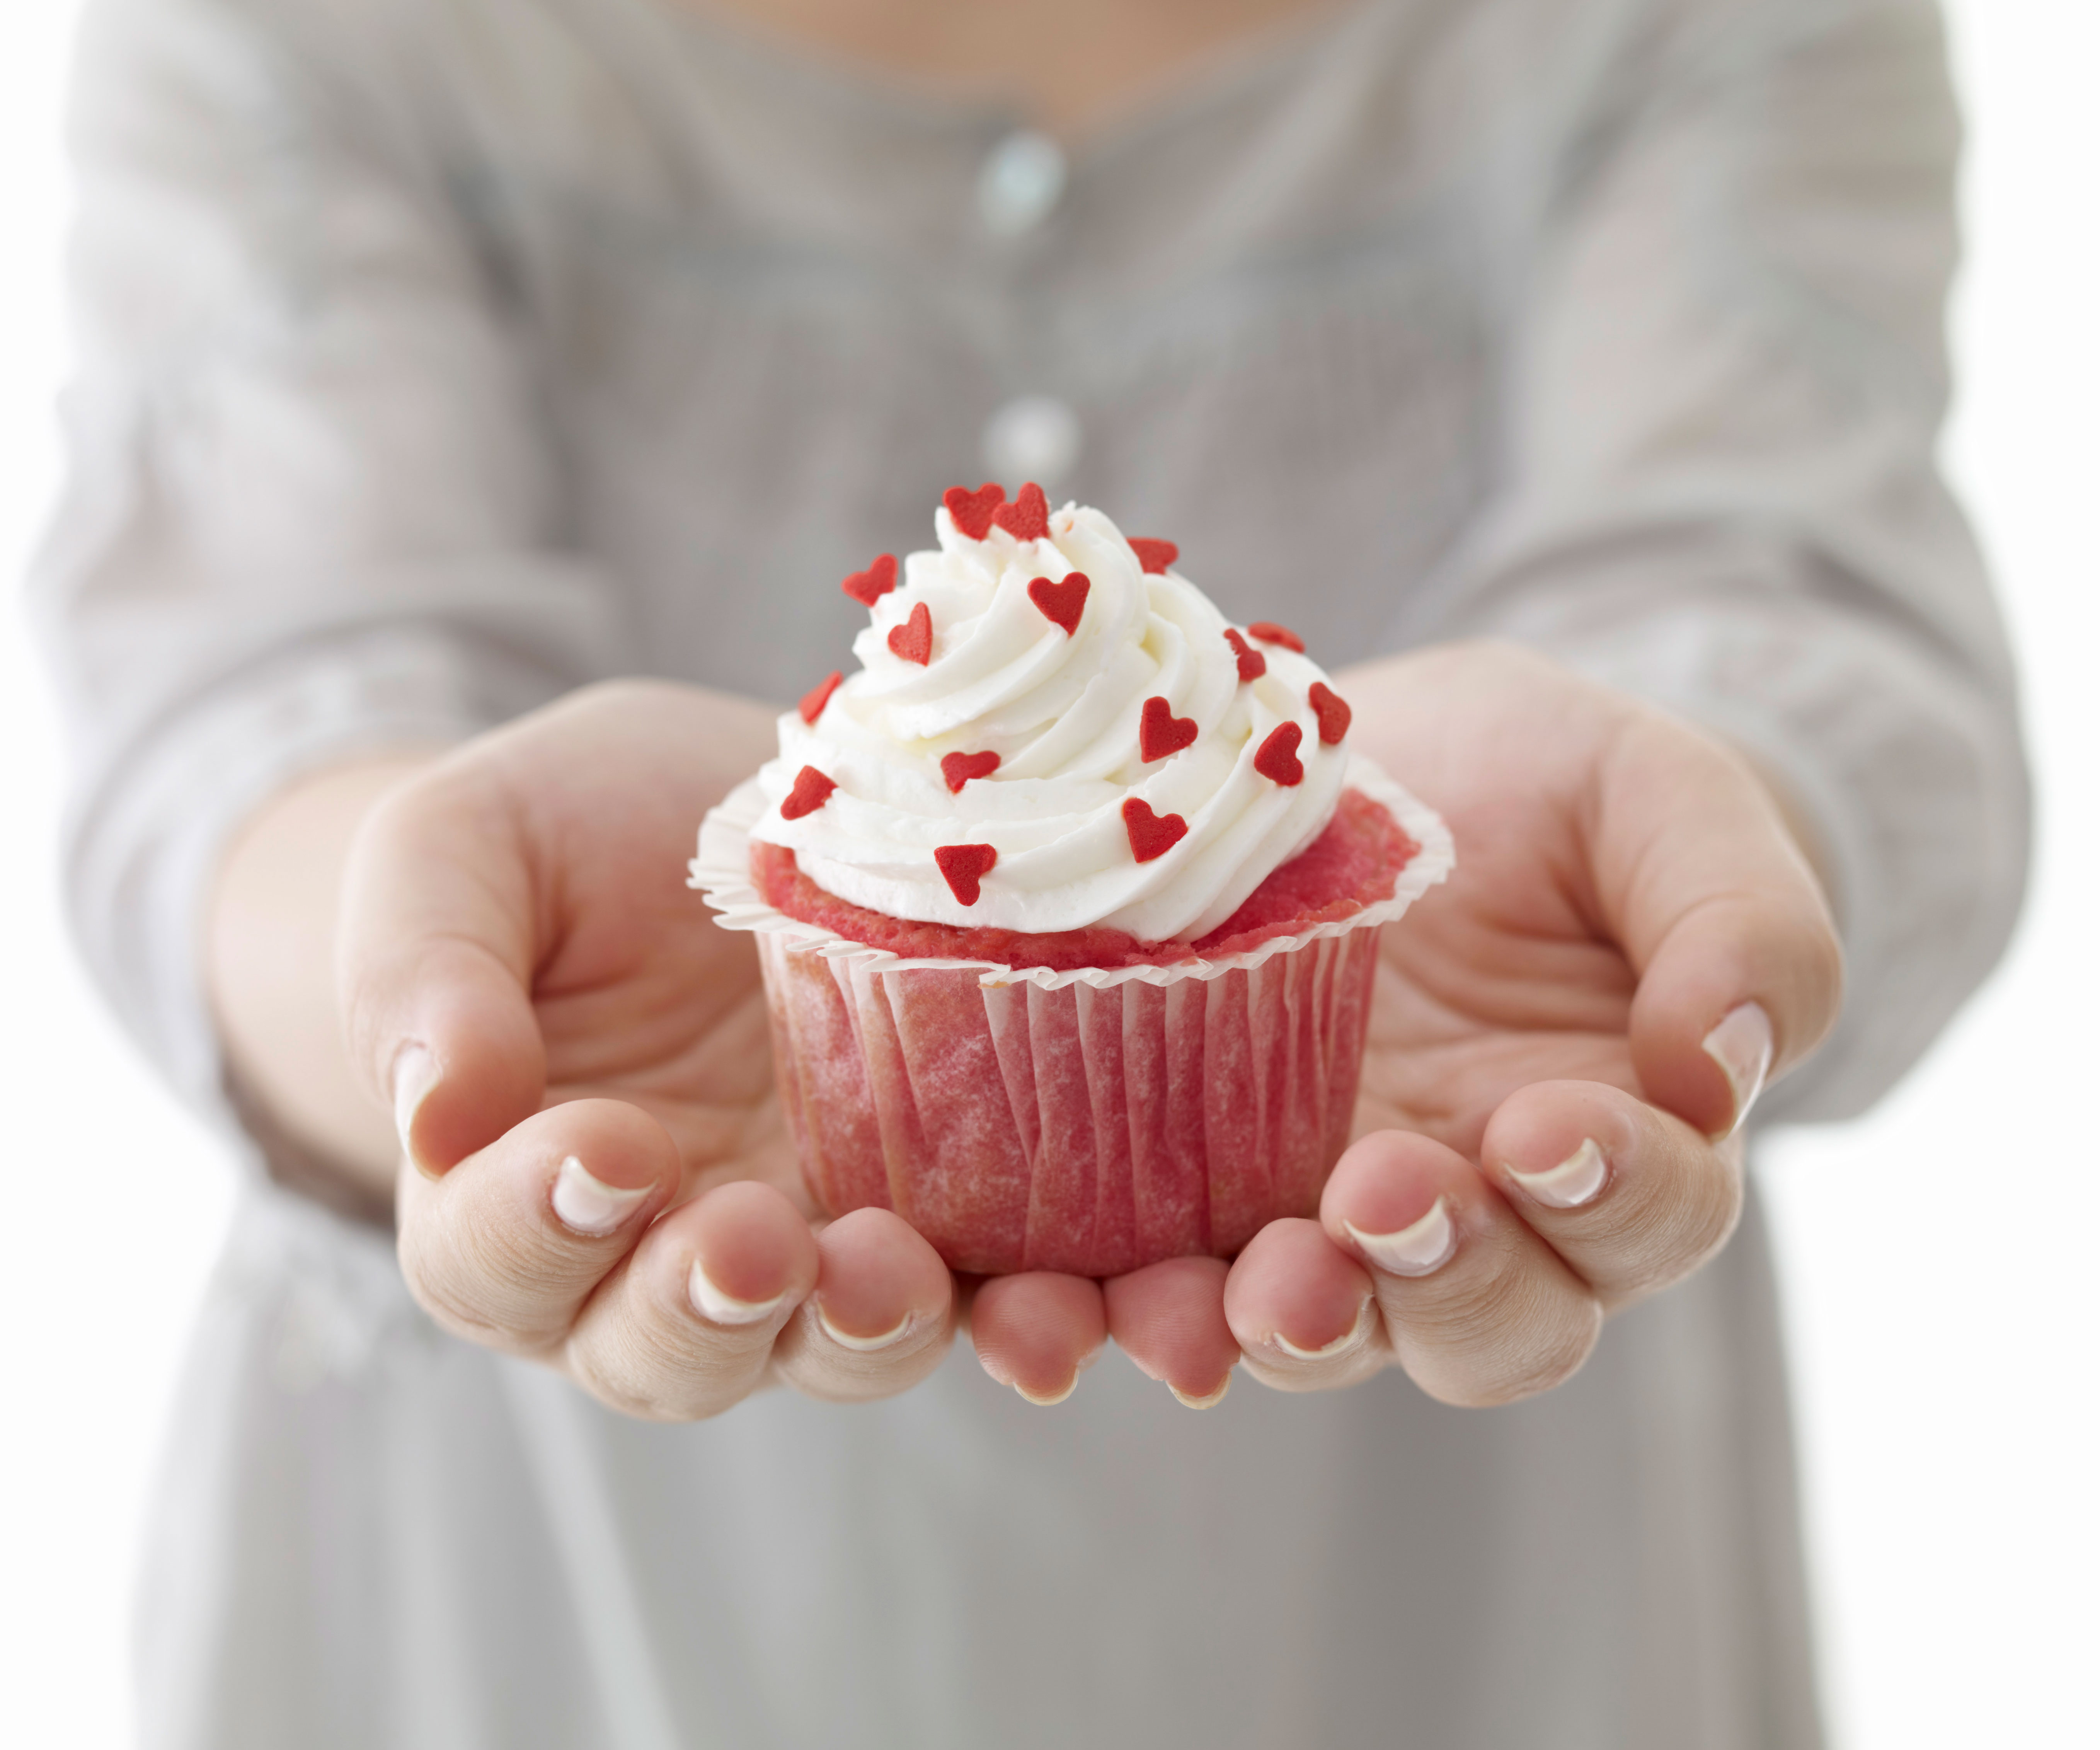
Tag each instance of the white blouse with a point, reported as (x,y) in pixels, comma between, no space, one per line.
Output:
(437,356)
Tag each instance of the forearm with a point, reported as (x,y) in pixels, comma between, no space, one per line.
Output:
(270,969)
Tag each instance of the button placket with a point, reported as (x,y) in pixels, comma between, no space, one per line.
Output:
(1031,436)
(1020,182)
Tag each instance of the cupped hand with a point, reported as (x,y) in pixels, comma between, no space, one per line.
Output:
(595,1170)
(1565,1040)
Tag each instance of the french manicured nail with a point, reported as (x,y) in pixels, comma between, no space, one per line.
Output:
(1742,1045)
(1575,1181)
(719,1308)
(865,1345)
(1342,1345)
(1415,1251)
(1195,1403)
(415,1074)
(587,1206)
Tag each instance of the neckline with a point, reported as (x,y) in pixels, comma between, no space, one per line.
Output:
(1205,81)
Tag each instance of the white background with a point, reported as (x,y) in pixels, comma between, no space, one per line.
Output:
(1944,1311)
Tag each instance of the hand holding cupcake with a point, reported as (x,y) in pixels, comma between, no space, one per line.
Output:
(603,1174)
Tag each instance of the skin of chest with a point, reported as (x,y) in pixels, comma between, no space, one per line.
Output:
(1071,66)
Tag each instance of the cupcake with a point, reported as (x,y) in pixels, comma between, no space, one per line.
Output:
(1067,902)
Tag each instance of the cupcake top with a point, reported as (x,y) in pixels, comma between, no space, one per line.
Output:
(1052,729)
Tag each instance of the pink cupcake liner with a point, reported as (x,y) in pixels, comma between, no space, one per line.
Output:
(1091,1121)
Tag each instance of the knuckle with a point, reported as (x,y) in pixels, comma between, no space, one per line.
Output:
(1719,1214)
(1555,1359)
(1695,1224)
(429,1284)
(633,1399)
(1514,1334)
(1526,1364)
(640,1379)
(1825,979)
(476,1284)
(641,1349)
(454,1312)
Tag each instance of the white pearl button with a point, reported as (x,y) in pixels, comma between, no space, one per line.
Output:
(1034,437)
(1022,178)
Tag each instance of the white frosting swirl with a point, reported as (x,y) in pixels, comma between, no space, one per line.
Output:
(1062,713)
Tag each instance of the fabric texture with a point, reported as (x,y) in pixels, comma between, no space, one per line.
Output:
(439,355)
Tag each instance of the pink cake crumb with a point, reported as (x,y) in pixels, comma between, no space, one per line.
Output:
(1354,863)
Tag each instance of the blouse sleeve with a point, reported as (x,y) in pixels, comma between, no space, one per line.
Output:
(1722,492)
(308,512)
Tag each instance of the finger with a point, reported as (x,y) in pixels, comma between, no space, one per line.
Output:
(1302,1310)
(1170,1318)
(1038,1332)
(434,958)
(881,1318)
(1477,1308)
(1633,1198)
(685,1328)
(506,1248)
(1704,882)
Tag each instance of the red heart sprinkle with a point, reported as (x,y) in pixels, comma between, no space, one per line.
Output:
(914,640)
(971,512)
(1332,710)
(959,768)
(819,695)
(1270,633)
(1276,759)
(964,867)
(1153,556)
(1160,732)
(1028,517)
(868,587)
(812,790)
(1062,603)
(1151,835)
(1253,665)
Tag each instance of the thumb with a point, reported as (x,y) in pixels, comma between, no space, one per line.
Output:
(1707,888)
(434,956)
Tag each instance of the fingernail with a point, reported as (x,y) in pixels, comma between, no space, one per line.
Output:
(415,1074)
(718,1308)
(1413,1251)
(1575,1181)
(587,1206)
(1071,1385)
(1193,1402)
(1348,1340)
(1742,1045)
(865,1345)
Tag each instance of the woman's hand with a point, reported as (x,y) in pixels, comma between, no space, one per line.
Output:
(1563,1040)
(596,1173)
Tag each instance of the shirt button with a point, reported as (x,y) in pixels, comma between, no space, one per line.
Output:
(1034,437)
(1022,179)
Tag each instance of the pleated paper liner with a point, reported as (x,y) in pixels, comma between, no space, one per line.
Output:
(1087,1120)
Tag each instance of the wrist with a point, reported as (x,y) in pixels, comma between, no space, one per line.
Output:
(269,969)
